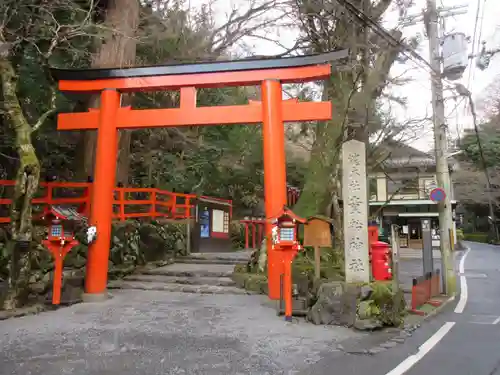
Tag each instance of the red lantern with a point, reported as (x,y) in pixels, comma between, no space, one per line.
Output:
(284,232)
(60,240)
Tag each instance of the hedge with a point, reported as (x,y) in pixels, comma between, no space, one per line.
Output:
(477,237)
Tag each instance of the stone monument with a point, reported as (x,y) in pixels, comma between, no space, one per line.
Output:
(355,207)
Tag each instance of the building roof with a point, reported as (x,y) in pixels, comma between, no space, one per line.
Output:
(399,149)
(401,155)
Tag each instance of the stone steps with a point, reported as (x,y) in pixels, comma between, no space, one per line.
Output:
(186,280)
(198,273)
(183,288)
(239,256)
(208,261)
(207,272)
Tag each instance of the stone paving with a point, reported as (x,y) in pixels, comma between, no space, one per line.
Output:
(207,273)
(152,333)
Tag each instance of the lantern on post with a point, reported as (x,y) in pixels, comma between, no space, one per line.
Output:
(61,223)
(284,239)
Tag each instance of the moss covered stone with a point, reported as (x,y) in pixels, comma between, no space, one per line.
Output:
(252,282)
(366,307)
(380,306)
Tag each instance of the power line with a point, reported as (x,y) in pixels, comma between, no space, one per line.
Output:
(379,30)
(472,66)
(480,33)
(476,22)
(458,128)
(481,25)
(478,8)
(382,32)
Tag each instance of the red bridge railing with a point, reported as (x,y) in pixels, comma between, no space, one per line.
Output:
(48,196)
(254,232)
(254,227)
(128,202)
(133,203)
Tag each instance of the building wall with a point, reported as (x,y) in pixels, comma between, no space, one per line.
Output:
(425,183)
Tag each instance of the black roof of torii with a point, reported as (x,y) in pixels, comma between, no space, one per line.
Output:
(260,63)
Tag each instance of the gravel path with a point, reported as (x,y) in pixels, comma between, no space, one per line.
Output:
(147,332)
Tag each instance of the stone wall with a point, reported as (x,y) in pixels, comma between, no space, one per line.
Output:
(133,244)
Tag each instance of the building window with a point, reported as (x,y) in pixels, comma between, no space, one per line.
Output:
(372,185)
(402,186)
(429,185)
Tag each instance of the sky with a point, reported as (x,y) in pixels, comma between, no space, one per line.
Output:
(418,92)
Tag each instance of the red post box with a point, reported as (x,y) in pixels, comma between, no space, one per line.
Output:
(284,239)
(381,260)
(372,233)
(60,240)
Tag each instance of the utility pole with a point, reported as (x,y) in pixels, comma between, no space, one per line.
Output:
(431,19)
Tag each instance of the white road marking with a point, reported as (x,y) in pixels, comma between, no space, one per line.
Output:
(496,321)
(425,348)
(461,267)
(464,294)
(463,286)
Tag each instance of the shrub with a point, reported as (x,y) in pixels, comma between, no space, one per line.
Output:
(476,237)
(460,235)
(237,232)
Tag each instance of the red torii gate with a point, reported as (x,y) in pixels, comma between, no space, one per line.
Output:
(270,74)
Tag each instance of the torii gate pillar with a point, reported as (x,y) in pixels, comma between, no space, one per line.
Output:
(273,133)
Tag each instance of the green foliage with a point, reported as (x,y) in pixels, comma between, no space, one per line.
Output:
(460,235)
(477,237)
(223,161)
(237,232)
(331,266)
(490,142)
(383,305)
(39,38)
(125,243)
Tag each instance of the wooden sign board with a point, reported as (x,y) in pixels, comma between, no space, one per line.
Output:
(317,233)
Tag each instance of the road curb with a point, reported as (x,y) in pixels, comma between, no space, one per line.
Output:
(408,330)
(398,338)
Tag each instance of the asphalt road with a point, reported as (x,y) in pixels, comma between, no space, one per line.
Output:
(452,343)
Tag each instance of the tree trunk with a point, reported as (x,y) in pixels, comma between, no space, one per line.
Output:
(118,49)
(123,164)
(322,178)
(27,179)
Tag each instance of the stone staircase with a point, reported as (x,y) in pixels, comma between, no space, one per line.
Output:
(205,273)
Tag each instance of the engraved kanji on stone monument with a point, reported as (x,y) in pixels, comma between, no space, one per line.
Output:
(354,194)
